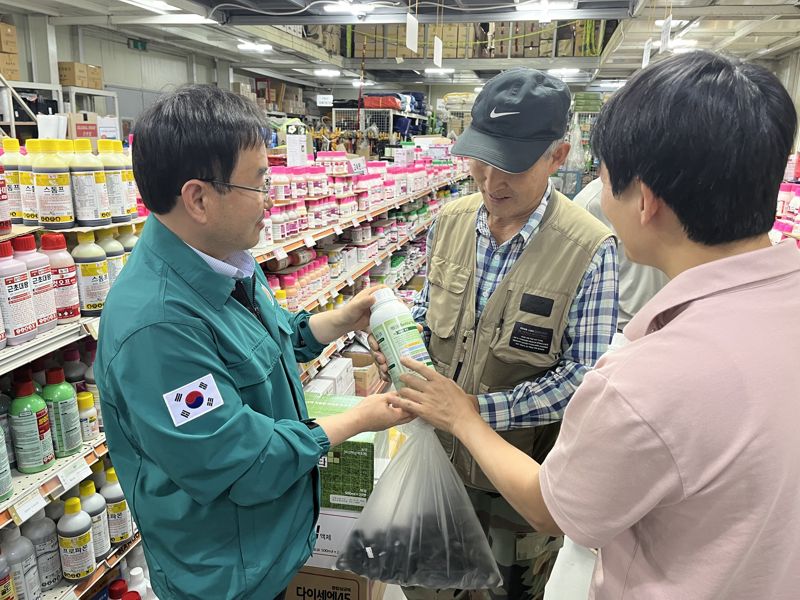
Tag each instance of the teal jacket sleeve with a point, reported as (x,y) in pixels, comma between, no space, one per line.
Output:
(306,346)
(229,449)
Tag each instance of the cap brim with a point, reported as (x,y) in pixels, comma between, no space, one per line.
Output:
(511,156)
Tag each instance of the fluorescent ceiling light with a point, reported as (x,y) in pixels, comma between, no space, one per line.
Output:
(343,7)
(563,71)
(156,6)
(357,83)
(439,71)
(675,23)
(253,47)
(327,72)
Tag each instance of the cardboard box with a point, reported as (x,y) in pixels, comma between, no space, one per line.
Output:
(82,125)
(566,47)
(9,66)
(94,75)
(8,38)
(312,583)
(347,470)
(333,527)
(365,373)
(240,88)
(340,372)
(545,48)
(73,73)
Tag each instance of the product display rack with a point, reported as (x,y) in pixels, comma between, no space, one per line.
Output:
(361,118)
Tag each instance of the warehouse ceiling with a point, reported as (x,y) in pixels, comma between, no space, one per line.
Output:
(252,34)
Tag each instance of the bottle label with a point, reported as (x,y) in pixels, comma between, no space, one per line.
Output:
(65,284)
(4,423)
(26,579)
(44,297)
(115,264)
(53,197)
(100,535)
(119,521)
(33,442)
(6,485)
(92,389)
(102,192)
(93,284)
(18,309)
(86,194)
(48,562)
(30,210)
(90,428)
(66,425)
(117,193)
(7,588)
(5,207)
(14,198)
(399,337)
(77,555)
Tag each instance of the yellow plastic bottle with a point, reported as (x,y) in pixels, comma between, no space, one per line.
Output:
(93,279)
(52,185)
(115,183)
(10,161)
(30,212)
(66,150)
(89,193)
(128,178)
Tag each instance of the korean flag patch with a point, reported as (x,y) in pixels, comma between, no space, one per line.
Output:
(193,400)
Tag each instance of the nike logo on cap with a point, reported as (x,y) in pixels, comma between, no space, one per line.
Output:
(494,114)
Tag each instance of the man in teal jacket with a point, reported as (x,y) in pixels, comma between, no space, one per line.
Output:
(197,365)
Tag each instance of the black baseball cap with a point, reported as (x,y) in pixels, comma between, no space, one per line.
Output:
(515,118)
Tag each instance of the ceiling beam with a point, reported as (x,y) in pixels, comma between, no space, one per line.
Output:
(743,31)
(749,11)
(30,8)
(475,64)
(400,17)
(782,45)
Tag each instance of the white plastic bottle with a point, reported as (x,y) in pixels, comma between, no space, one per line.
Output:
(278,225)
(90,428)
(27,188)
(115,253)
(292,222)
(127,237)
(98,475)
(137,582)
(75,541)
(119,516)
(65,278)
(52,184)
(397,334)
(6,583)
(6,483)
(267,228)
(74,369)
(128,178)
(5,424)
(41,281)
(55,510)
(41,531)
(93,282)
(91,387)
(116,186)
(16,298)
(89,191)
(21,557)
(10,160)
(94,504)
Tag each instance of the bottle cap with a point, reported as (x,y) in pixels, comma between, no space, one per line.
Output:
(10,533)
(10,145)
(86,237)
(85,401)
(55,376)
(24,243)
(87,488)
(23,388)
(54,241)
(137,575)
(66,146)
(105,145)
(98,466)
(72,506)
(32,146)
(383,295)
(83,145)
(117,589)
(280,295)
(131,596)
(38,515)
(6,250)
(111,475)
(117,145)
(125,229)
(48,146)
(72,354)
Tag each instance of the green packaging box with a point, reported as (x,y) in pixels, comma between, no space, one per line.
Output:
(347,470)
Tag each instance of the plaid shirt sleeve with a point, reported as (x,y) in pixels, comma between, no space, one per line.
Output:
(422,298)
(591,324)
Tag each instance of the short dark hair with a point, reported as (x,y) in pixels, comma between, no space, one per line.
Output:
(709,134)
(198,132)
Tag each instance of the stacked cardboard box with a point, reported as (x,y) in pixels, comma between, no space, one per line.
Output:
(73,73)
(94,76)
(396,43)
(9,52)
(477,42)
(312,583)
(331,38)
(365,40)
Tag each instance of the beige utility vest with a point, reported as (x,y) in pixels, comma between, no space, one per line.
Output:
(518,336)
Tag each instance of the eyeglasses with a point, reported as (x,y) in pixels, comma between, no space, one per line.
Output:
(264,190)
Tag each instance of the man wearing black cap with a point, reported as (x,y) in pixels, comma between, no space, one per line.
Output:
(520,301)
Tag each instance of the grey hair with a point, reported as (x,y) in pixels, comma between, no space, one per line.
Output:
(553,147)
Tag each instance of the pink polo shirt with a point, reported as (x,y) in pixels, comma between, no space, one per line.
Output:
(679,455)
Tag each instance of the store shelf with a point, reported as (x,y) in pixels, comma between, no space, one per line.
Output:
(397,113)
(17,230)
(100,227)
(13,357)
(84,91)
(70,591)
(33,492)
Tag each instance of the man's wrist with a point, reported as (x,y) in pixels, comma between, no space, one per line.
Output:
(465,427)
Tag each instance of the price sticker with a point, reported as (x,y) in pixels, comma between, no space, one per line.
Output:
(350,281)
(338,230)
(27,506)
(312,372)
(74,473)
(309,241)
(369,218)
(378,262)
(324,360)
(339,345)
(355,222)
(351,335)
(280,253)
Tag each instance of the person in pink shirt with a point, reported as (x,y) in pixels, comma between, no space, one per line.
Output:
(678,456)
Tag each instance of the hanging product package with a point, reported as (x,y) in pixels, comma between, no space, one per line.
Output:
(418,526)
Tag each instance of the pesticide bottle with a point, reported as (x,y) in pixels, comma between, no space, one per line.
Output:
(89,191)
(137,582)
(41,531)
(90,428)
(98,475)
(94,504)
(75,541)
(117,589)
(91,387)
(16,298)
(93,282)
(52,184)
(66,150)
(65,278)
(127,237)
(5,206)
(41,281)
(115,253)
(6,483)
(74,369)
(127,177)
(27,189)
(119,516)
(7,591)
(115,183)
(62,407)
(21,557)
(30,427)
(397,334)
(10,161)
(5,425)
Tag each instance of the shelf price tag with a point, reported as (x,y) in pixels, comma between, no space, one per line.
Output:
(338,230)
(351,335)
(324,360)
(350,281)
(312,372)
(27,506)
(309,241)
(355,222)
(280,253)
(74,473)
(378,262)
(339,345)
(91,326)
(369,218)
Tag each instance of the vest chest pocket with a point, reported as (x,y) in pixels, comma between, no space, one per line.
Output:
(447,284)
(252,375)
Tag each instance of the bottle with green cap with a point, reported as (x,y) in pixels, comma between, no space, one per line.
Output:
(117,187)
(10,161)
(120,525)
(75,541)
(89,192)
(94,504)
(30,428)
(93,280)
(63,409)
(52,185)
(115,253)
(27,189)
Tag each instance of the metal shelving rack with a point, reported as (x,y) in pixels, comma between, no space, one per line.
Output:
(9,93)
(74,93)
(360,119)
